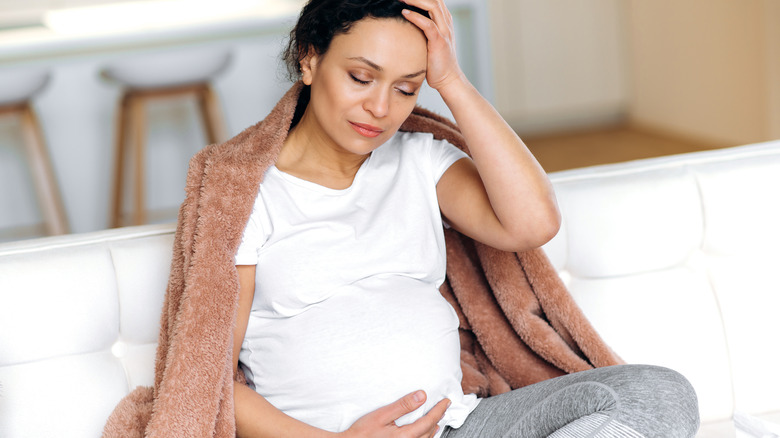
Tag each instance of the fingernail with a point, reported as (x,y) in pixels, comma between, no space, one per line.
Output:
(418,396)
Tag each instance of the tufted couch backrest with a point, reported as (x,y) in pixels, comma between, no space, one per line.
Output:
(675,261)
(79,319)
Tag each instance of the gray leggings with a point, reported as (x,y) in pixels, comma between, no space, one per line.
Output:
(636,401)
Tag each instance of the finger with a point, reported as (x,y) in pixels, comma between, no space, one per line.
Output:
(437,412)
(436,8)
(429,27)
(436,40)
(408,403)
(438,12)
(432,27)
(428,422)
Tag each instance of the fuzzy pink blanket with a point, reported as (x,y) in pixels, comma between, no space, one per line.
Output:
(519,325)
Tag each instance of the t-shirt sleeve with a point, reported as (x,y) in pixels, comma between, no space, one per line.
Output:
(255,235)
(443,155)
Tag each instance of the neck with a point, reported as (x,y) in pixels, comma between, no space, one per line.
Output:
(310,154)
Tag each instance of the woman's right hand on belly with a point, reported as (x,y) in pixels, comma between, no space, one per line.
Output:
(381,422)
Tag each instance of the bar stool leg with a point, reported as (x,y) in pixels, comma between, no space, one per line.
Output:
(132,124)
(211,114)
(120,151)
(49,198)
(139,158)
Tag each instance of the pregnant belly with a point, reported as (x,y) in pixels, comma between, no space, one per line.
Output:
(362,348)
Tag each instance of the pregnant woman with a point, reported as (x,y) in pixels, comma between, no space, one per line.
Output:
(341,329)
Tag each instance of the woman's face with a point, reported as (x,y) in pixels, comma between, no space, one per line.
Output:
(366,84)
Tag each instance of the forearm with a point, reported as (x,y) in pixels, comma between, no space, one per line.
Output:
(256,418)
(518,189)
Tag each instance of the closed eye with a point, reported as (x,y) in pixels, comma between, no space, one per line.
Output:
(354,78)
(362,82)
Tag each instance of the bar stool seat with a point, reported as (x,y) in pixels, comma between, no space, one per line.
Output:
(19,86)
(158,76)
(169,69)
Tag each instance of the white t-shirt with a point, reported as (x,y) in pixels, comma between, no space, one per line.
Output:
(347,316)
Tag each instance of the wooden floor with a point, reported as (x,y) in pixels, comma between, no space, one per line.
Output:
(608,145)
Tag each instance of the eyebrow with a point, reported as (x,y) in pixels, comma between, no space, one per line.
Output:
(377,67)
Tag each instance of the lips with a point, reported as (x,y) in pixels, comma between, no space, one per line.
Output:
(366,130)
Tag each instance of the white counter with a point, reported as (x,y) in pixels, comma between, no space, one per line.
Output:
(78,107)
(121,26)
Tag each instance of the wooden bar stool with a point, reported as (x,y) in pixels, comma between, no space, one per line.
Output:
(18,88)
(158,76)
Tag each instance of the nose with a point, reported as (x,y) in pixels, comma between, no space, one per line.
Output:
(378,102)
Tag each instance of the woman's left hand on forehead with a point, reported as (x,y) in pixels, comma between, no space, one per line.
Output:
(443,65)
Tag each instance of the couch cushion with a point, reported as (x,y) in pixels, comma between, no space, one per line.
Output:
(79,317)
(740,199)
(748,295)
(142,267)
(63,397)
(668,318)
(739,189)
(57,302)
(621,224)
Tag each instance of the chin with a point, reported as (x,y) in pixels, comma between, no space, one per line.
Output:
(362,148)
(360,145)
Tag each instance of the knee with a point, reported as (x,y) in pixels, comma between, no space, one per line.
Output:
(676,403)
(670,383)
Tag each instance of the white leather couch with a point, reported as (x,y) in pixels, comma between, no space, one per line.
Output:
(675,261)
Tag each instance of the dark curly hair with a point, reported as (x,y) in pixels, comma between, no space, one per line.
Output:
(321,20)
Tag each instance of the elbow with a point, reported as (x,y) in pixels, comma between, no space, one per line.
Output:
(551,228)
(545,221)
(536,231)
(549,222)
(553,224)
(545,231)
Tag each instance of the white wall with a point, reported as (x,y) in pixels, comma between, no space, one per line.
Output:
(772,28)
(559,64)
(700,68)
(706,70)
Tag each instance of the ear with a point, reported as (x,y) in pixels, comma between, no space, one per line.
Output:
(309,67)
